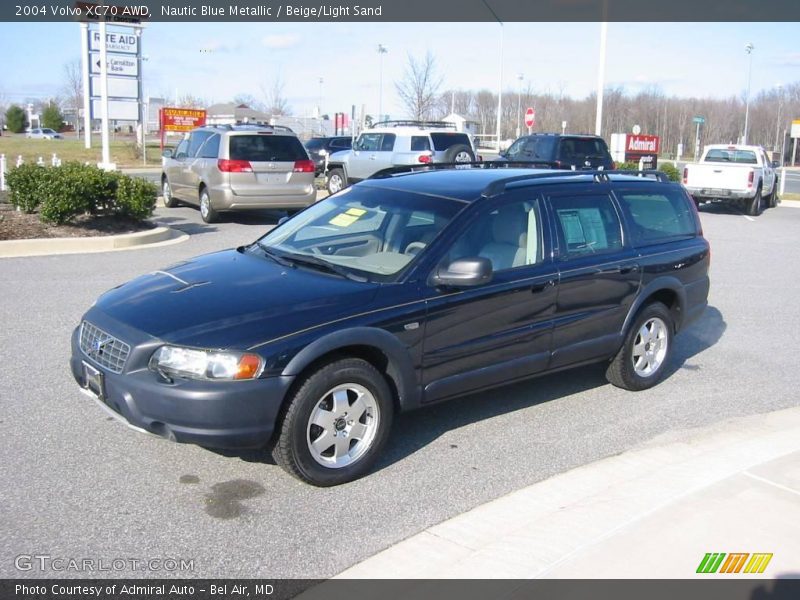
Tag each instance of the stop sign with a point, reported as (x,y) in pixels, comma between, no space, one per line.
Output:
(530,117)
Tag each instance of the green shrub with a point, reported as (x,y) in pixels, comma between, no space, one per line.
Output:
(24,183)
(135,198)
(628,166)
(69,191)
(670,171)
(52,117)
(16,119)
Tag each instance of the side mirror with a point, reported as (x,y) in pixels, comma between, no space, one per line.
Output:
(464,272)
(180,155)
(283,219)
(167,153)
(776,164)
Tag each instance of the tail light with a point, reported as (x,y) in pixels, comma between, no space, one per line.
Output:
(234,166)
(613,166)
(303,166)
(557,163)
(685,175)
(424,158)
(750,178)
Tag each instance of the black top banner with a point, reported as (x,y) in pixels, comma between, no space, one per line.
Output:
(144,11)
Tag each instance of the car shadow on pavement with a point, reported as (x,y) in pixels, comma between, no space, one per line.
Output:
(185,226)
(779,589)
(415,430)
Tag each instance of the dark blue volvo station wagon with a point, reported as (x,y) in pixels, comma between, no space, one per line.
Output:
(404,290)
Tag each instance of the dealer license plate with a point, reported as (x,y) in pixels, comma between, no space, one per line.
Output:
(93,380)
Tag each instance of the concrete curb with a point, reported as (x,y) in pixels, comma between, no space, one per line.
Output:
(160,236)
(631,500)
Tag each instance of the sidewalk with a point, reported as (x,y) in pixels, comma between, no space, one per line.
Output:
(652,512)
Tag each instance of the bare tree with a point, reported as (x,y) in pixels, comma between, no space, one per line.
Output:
(248,100)
(72,91)
(419,87)
(191,101)
(276,102)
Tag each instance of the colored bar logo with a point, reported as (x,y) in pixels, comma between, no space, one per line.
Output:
(719,562)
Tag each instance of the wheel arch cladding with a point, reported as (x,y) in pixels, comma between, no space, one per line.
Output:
(667,290)
(378,347)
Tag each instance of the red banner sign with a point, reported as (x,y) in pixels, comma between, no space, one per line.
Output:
(642,144)
(182,119)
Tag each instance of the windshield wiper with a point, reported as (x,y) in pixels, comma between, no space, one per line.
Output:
(278,258)
(313,261)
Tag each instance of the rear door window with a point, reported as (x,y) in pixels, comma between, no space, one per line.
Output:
(266,148)
(658,216)
(387,143)
(196,140)
(532,148)
(587,225)
(211,148)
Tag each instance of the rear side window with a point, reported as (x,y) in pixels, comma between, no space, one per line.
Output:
(587,225)
(266,148)
(211,148)
(444,141)
(658,216)
(532,148)
(420,143)
(196,140)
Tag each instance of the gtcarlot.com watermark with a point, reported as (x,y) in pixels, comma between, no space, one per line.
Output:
(62,564)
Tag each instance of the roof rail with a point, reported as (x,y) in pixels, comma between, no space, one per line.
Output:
(599,176)
(405,169)
(412,123)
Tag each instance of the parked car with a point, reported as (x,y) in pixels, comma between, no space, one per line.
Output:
(565,151)
(398,143)
(43,133)
(230,168)
(394,294)
(321,147)
(741,175)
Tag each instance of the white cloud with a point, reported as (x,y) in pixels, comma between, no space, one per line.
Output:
(281,41)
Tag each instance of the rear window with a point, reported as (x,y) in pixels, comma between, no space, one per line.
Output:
(579,148)
(659,216)
(266,148)
(444,141)
(746,157)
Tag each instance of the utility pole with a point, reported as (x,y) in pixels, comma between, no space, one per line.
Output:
(381,51)
(748,47)
(519,105)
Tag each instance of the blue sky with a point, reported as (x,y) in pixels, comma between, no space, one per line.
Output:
(218,61)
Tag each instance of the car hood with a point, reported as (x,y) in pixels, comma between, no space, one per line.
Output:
(340,156)
(232,299)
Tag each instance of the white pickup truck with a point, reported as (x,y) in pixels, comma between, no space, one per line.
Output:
(743,175)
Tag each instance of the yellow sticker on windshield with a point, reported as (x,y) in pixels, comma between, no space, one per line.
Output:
(343,220)
(356,212)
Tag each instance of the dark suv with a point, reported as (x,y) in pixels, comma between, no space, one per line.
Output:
(321,147)
(401,291)
(565,151)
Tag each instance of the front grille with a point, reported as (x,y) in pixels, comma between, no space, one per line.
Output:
(102,348)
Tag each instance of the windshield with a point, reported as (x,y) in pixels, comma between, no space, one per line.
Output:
(370,231)
(315,143)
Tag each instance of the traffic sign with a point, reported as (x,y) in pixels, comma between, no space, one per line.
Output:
(699,120)
(637,130)
(530,117)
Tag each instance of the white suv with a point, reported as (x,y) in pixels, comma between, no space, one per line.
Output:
(397,143)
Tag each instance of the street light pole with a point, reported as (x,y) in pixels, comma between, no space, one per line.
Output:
(748,47)
(778,120)
(519,105)
(500,85)
(381,51)
(601,76)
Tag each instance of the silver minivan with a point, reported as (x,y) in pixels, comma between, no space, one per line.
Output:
(231,168)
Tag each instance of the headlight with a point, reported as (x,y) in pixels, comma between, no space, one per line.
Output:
(206,364)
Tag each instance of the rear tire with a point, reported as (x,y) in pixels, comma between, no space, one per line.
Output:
(754,206)
(336,181)
(207,212)
(345,403)
(646,351)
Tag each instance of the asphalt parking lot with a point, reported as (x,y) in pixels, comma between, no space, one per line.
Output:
(78,485)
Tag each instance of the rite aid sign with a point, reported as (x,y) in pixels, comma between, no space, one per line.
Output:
(115,42)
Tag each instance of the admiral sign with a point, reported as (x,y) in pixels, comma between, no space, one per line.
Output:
(644,148)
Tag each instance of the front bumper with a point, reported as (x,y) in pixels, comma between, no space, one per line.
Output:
(215,414)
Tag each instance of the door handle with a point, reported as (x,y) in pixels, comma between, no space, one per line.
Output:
(629,269)
(540,287)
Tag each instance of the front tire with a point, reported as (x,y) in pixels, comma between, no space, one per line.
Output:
(336,423)
(336,181)
(207,211)
(166,192)
(646,351)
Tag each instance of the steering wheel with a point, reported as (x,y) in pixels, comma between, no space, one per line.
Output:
(414,248)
